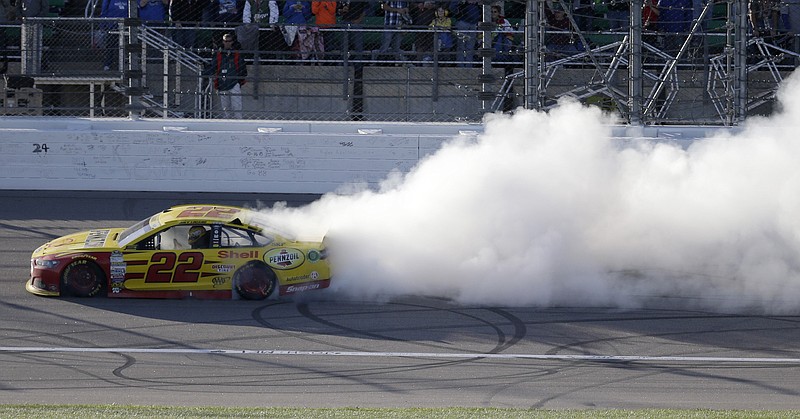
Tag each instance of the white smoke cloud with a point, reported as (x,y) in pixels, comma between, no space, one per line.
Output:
(545,209)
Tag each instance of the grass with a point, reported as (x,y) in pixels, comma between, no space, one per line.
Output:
(118,411)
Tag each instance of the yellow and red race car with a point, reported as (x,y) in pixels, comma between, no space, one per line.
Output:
(202,251)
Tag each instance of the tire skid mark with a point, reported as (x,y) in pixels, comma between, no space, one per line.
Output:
(647,370)
(572,346)
(520,329)
(305,310)
(59,364)
(129,362)
(359,376)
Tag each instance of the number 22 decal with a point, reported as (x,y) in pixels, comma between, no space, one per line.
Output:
(168,267)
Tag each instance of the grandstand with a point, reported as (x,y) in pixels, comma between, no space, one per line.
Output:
(705,66)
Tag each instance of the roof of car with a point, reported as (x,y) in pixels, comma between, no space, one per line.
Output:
(225,214)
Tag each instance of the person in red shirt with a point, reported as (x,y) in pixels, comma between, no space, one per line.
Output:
(650,14)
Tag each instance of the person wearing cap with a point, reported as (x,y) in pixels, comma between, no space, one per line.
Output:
(229,73)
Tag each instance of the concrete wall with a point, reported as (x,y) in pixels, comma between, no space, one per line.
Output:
(225,156)
(229,156)
(290,92)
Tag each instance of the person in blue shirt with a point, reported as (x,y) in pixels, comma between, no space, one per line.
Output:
(296,15)
(117,9)
(227,11)
(153,10)
(114,8)
(674,21)
(297,12)
(467,14)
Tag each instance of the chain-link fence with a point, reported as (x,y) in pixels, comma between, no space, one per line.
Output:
(681,61)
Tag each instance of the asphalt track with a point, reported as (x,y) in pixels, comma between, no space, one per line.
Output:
(323,352)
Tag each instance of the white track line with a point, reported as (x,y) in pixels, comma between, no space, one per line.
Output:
(607,358)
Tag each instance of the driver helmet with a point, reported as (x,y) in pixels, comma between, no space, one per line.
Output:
(196,233)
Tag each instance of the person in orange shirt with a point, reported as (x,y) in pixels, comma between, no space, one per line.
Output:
(325,12)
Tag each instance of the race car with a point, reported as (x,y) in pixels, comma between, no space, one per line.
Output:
(200,251)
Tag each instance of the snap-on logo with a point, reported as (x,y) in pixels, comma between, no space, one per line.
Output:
(285,258)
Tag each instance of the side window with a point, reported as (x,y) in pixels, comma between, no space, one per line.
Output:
(236,237)
(180,237)
(174,238)
(195,236)
(149,243)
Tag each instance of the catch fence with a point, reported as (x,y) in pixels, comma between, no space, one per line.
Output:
(708,67)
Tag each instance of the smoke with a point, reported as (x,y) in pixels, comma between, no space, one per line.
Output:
(545,209)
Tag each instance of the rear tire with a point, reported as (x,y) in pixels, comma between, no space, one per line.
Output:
(254,281)
(82,278)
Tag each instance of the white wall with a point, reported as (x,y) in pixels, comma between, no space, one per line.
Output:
(224,156)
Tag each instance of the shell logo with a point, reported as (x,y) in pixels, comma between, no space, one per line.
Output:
(284,258)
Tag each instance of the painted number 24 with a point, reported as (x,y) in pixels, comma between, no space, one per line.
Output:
(40,148)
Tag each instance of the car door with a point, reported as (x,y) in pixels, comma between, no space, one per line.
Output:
(166,261)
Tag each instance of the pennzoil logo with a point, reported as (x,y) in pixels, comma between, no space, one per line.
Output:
(285,258)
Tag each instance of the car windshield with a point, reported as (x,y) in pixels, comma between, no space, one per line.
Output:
(135,231)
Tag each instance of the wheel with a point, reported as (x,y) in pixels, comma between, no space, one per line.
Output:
(83,278)
(254,281)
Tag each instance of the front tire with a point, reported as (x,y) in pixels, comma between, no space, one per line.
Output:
(254,281)
(82,278)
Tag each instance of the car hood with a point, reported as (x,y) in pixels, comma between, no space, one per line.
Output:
(85,240)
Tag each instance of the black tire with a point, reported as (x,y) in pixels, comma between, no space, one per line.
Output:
(254,281)
(82,278)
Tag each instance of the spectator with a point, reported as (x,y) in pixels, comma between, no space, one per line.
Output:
(265,14)
(185,14)
(229,74)
(395,15)
(227,12)
(117,9)
(7,15)
(559,37)
(764,16)
(674,21)
(618,14)
(32,8)
(584,14)
(503,41)
(442,24)
(650,14)
(153,10)
(422,14)
(467,14)
(325,12)
(793,11)
(353,13)
(298,36)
